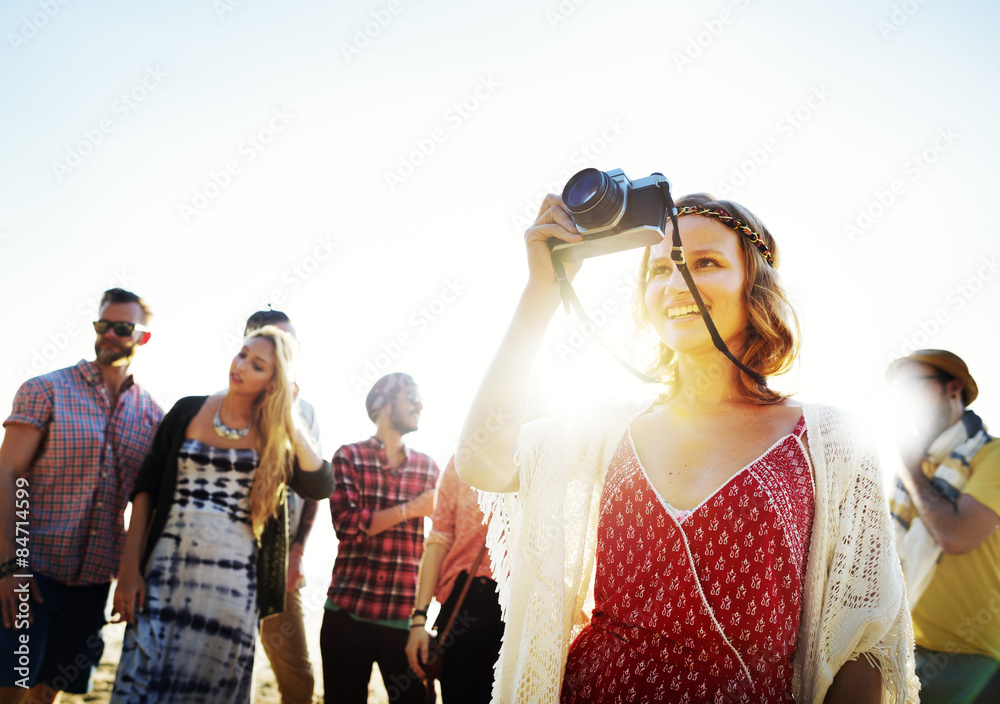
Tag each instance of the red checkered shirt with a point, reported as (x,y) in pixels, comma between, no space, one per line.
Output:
(81,477)
(375,577)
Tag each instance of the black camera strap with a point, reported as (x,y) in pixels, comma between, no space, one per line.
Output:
(570,299)
(677,255)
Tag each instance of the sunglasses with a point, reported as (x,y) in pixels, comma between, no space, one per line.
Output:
(916,381)
(122,328)
(413,396)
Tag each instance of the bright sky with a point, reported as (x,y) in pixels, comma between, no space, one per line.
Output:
(369,167)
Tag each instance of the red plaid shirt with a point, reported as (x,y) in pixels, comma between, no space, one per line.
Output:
(375,577)
(81,477)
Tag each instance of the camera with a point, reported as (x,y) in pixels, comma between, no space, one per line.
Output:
(613,213)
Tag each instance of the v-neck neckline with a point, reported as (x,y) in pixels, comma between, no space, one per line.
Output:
(687,513)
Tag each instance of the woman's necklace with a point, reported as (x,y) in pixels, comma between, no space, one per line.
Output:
(224,431)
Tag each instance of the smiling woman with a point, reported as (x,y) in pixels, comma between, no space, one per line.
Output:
(769,334)
(721,500)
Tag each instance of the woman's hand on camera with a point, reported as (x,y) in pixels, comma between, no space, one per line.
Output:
(552,223)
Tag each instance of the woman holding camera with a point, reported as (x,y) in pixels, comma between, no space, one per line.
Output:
(738,541)
(205,550)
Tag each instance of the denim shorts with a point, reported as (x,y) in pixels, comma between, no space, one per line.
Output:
(64,643)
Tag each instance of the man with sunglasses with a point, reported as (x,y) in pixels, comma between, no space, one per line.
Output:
(947,511)
(383,489)
(72,446)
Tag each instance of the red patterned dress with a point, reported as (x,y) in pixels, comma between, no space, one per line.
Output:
(700,605)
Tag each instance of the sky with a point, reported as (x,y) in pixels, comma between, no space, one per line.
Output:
(370,168)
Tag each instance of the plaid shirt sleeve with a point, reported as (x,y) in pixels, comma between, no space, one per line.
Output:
(350,520)
(32,405)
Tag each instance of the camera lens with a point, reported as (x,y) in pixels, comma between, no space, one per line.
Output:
(593,198)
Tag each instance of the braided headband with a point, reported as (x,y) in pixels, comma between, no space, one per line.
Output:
(732,223)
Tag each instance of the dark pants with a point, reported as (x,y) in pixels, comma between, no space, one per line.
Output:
(64,643)
(953,678)
(473,645)
(349,647)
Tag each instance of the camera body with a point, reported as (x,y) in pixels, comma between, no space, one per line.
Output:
(613,213)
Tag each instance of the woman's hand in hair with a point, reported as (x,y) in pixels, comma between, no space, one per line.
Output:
(304,444)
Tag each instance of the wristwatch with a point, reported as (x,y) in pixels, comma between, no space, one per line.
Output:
(10,567)
(418,612)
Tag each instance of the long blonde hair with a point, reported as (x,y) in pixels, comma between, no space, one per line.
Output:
(772,330)
(272,419)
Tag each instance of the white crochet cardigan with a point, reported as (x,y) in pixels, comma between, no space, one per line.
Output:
(543,544)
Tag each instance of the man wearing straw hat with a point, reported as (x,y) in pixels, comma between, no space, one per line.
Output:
(946,508)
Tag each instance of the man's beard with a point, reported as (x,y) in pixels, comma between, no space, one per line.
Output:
(110,354)
(401,424)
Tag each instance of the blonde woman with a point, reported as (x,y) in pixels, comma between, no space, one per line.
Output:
(722,543)
(205,551)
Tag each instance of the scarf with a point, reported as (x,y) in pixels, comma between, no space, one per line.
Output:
(946,464)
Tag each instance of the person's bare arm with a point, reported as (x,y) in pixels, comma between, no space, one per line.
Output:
(20,444)
(386,518)
(427,579)
(130,592)
(857,682)
(484,457)
(957,526)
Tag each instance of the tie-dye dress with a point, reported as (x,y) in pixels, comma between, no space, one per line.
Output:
(194,641)
(700,605)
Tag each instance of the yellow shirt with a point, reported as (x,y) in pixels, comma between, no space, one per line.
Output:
(960,610)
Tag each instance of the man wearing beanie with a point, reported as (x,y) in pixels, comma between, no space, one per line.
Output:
(383,490)
(946,509)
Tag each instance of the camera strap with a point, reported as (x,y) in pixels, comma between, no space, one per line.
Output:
(570,299)
(677,255)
